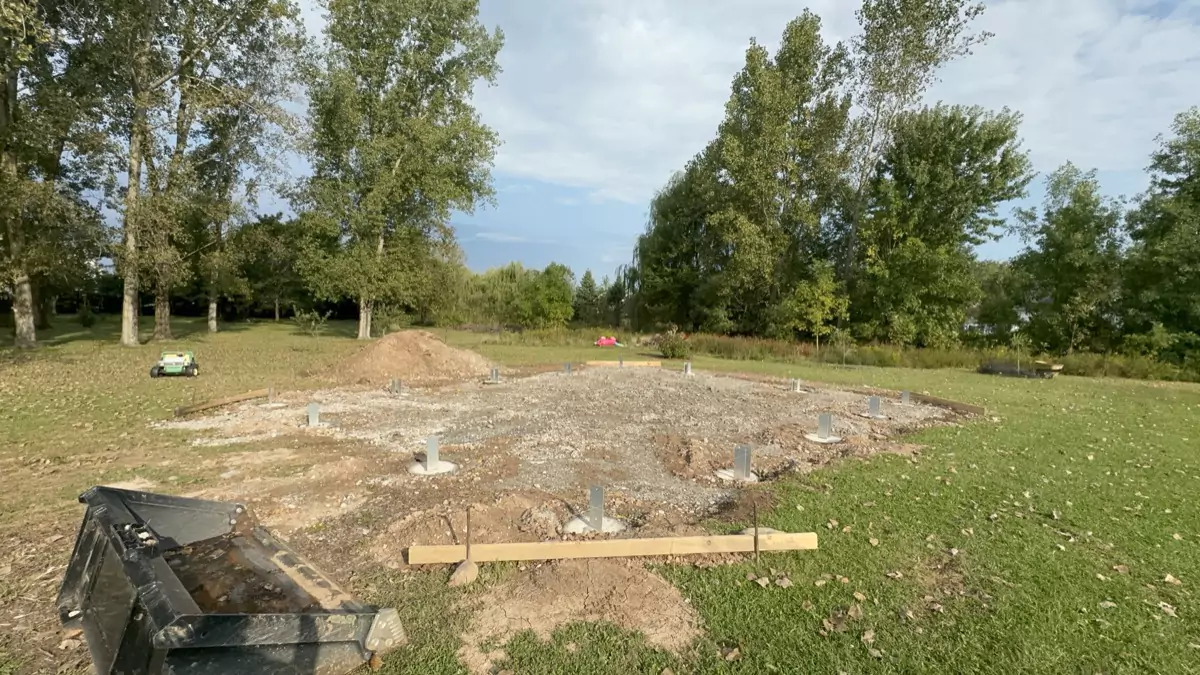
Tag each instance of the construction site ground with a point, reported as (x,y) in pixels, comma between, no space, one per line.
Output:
(932,525)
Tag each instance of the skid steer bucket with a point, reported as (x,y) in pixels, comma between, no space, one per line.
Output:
(177,586)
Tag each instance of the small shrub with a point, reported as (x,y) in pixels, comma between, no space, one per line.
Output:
(674,345)
(311,321)
(87,318)
(842,343)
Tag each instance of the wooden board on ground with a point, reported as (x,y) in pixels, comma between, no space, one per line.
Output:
(626,364)
(613,548)
(217,402)
(966,408)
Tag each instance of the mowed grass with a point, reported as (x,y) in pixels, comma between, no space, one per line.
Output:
(1035,540)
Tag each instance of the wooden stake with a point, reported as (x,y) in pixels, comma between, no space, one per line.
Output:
(614,548)
(467,571)
(755,509)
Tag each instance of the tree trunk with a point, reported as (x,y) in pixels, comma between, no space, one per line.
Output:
(139,132)
(212,313)
(24,330)
(43,306)
(25,334)
(214,279)
(277,308)
(162,313)
(365,306)
(130,298)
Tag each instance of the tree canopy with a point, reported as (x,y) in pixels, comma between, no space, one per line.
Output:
(834,203)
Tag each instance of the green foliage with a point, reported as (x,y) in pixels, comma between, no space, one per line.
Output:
(1071,262)
(389,319)
(264,251)
(842,343)
(812,306)
(674,345)
(589,303)
(394,150)
(87,318)
(310,321)
(1162,277)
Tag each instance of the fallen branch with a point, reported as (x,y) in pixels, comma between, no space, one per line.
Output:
(613,548)
(218,402)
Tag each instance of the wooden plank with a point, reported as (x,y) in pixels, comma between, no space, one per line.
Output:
(218,402)
(947,403)
(627,364)
(613,548)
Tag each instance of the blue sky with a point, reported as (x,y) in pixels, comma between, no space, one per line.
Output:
(601,101)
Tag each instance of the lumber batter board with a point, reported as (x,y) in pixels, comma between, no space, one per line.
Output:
(956,406)
(217,402)
(626,364)
(613,548)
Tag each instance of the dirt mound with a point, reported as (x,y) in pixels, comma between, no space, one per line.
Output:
(411,356)
(550,596)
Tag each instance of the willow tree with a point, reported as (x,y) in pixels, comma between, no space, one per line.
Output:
(396,145)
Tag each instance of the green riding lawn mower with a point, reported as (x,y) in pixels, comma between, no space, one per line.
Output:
(176,363)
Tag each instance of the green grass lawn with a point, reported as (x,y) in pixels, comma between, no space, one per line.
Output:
(1036,540)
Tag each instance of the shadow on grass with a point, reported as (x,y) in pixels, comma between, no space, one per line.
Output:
(66,329)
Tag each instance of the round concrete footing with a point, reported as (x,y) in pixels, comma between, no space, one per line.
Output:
(727,474)
(442,466)
(823,441)
(581,525)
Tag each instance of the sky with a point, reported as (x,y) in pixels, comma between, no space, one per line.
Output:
(601,101)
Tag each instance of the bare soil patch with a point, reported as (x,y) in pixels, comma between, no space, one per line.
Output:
(650,437)
(546,597)
(527,450)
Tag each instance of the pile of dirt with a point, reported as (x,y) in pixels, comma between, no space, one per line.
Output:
(411,356)
(547,597)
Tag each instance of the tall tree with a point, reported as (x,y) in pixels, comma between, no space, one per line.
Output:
(934,196)
(396,145)
(588,303)
(50,139)
(897,56)
(733,235)
(1163,271)
(243,134)
(1072,262)
(168,61)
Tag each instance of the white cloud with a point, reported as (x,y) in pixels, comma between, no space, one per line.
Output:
(612,96)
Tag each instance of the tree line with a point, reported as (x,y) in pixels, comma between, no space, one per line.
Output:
(832,201)
(135,138)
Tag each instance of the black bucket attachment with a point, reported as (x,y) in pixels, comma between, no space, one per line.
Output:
(177,586)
